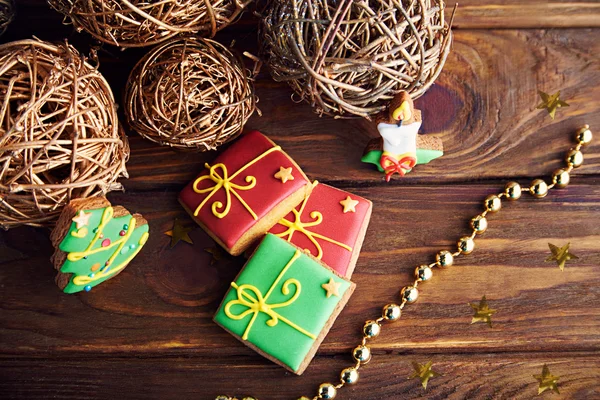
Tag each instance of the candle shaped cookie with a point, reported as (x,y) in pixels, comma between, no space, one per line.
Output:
(94,242)
(283,303)
(330,224)
(245,191)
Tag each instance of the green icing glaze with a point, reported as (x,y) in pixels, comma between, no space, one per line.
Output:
(310,311)
(423,157)
(92,270)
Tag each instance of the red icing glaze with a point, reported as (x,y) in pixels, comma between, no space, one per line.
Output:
(343,228)
(268,192)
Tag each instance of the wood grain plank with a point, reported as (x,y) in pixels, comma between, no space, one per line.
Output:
(481,376)
(162,304)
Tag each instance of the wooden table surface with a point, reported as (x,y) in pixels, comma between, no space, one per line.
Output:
(148,333)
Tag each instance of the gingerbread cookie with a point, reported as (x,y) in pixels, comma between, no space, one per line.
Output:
(245,191)
(94,242)
(283,303)
(330,224)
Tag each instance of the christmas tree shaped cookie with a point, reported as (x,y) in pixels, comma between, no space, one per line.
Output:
(94,242)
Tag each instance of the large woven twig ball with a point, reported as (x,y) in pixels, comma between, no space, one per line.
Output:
(59,133)
(136,23)
(189,94)
(7,13)
(350,57)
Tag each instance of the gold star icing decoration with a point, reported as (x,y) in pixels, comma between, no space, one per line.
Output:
(332,287)
(216,253)
(423,372)
(285,174)
(551,102)
(82,219)
(547,381)
(482,312)
(349,204)
(178,233)
(561,255)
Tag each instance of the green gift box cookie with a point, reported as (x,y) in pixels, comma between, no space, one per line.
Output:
(283,303)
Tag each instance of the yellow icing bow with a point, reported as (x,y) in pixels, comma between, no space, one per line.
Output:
(250,296)
(223,180)
(299,226)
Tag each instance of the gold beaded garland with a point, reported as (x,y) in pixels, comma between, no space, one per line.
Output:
(410,294)
(349,376)
(493,203)
(466,245)
(479,224)
(423,273)
(574,158)
(444,258)
(391,312)
(584,135)
(538,188)
(561,178)
(362,354)
(371,329)
(327,391)
(513,191)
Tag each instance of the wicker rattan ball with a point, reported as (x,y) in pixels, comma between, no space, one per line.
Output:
(7,13)
(350,57)
(137,23)
(59,133)
(189,94)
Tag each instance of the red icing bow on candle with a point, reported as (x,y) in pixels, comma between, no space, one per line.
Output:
(390,165)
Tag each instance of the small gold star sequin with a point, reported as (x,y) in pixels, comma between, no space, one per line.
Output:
(551,102)
(349,204)
(547,381)
(332,288)
(482,312)
(285,174)
(423,372)
(179,232)
(82,219)
(561,255)
(217,254)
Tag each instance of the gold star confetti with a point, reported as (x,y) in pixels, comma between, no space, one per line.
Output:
(482,312)
(179,232)
(551,102)
(561,255)
(349,204)
(547,381)
(332,288)
(423,372)
(82,219)
(217,254)
(285,174)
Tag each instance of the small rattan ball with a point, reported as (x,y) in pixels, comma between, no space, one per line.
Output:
(137,23)
(59,133)
(7,14)
(189,94)
(348,57)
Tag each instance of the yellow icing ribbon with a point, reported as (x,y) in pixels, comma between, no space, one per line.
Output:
(222,179)
(250,296)
(298,226)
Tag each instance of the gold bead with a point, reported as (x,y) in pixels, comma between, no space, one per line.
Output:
(410,294)
(444,259)
(538,188)
(584,135)
(303,398)
(327,391)
(349,376)
(561,178)
(362,354)
(493,203)
(466,245)
(513,191)
(371,329)
(423,273)
(574,158)
(249,398)
(221,397)
(479,224)
(391,312)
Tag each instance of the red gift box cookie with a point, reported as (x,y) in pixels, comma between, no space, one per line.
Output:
(245,191)
(330,224)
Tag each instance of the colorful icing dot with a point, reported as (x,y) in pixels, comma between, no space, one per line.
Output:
(106,243)
(132,246)
(124,250)
(106,269)
(85,258)
(92,275)
(95,267)
(122,233)
(107,263)
(87,288)
(125,226)
(95,230)
(101,236)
